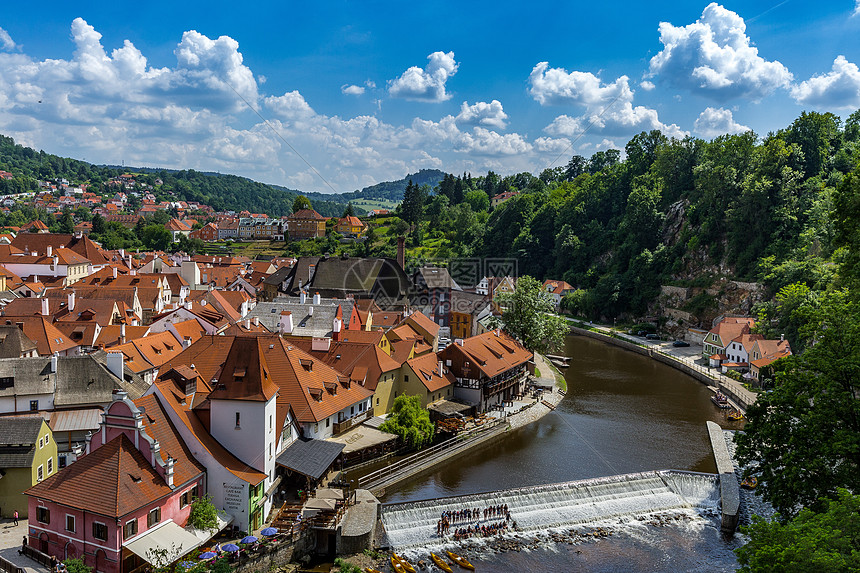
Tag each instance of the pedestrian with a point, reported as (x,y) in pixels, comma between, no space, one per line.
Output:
(15,517)
(23,546)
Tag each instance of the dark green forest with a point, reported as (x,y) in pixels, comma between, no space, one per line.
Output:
(674,212)
(387,190)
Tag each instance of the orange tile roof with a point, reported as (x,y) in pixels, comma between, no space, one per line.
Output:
(158,426)
(427,369)
(492,352)
(124,479)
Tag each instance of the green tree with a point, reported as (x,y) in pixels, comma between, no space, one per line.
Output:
(75,565)
(804,435)
(825,541)
(301,202)
(98,224)
(412,207)
(478,200)
(203,514)
(156,237)
(526,315)
(349,211)
(409,421)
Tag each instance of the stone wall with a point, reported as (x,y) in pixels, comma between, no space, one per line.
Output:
(730,495)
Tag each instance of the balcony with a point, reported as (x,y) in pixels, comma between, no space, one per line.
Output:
(340,427)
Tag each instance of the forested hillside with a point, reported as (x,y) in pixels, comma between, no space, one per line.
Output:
(686,213)
(222,192)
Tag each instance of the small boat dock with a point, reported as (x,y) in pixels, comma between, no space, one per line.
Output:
(559,361)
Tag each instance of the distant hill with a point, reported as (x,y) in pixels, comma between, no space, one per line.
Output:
(386,191)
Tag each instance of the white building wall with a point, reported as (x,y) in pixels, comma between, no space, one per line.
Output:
(21,402)
(221,484)
(248,440)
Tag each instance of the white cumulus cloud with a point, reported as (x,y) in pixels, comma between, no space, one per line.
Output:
(717,121)
(6,41)
(620,119)
(714,56)
(839,88)
(482,113)
(426,84)
(556,86)
(352,90)
(646,85)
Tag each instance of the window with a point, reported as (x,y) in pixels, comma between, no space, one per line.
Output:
(6,382)
(61,461)
(34,405)
(377,401)
(129,529)
(43,514)
(50,465)
(40,474)
(41,444)
(406,378)
(153,517)
(70,523)
(237,420)
(327,422)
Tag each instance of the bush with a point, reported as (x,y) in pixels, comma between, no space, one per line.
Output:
(77,566)
(203,514)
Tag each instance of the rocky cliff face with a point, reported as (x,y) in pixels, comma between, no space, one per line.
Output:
(702,289)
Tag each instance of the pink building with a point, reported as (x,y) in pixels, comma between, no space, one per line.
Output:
(126,499)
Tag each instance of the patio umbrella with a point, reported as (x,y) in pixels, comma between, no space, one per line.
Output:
(207,555)
(248,539)
(269,531)
(231,547)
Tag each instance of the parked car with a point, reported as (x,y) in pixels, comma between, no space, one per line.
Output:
(680,344)
(652,336)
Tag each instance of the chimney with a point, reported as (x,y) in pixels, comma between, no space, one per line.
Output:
(247,324)
(54,358)
(441,372)
(285,324)
(114,272)
(71,301)
(168,471)
(310,310)
(401,252)
(50,250)
(781,337)
(56,260)
(116,364)
(121,253)
(189,304)
(256,321)
(302,297)
(186,342)
(45,308)
(122,334)
(316,298)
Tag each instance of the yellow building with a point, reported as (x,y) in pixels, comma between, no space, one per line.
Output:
(350,227)
(28,455)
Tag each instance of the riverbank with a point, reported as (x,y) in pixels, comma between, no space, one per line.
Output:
(550,376)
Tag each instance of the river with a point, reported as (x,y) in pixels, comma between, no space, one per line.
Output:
(623,413)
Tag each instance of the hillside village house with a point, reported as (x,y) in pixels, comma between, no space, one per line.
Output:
(28,455)
(350,227)
(146,479)
(305,224)
(722,334)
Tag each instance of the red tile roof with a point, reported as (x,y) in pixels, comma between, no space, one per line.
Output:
(122,478)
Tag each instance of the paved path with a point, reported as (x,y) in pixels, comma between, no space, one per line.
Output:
(10,542)
(690,355)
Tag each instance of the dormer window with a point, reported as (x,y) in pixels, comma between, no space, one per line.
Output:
(307,364)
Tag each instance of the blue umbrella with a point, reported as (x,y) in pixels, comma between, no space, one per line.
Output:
(231,547)
(269,531)
(207,555)
(248,539)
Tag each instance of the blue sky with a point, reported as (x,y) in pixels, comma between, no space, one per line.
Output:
(369,91)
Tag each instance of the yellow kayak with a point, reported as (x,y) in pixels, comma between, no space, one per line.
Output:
(440,564)
(371,570)
(461,561)
(395,564)
(403,563)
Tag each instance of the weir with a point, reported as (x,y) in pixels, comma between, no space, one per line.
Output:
(413,524)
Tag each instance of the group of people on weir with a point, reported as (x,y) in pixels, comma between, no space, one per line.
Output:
(470,518)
